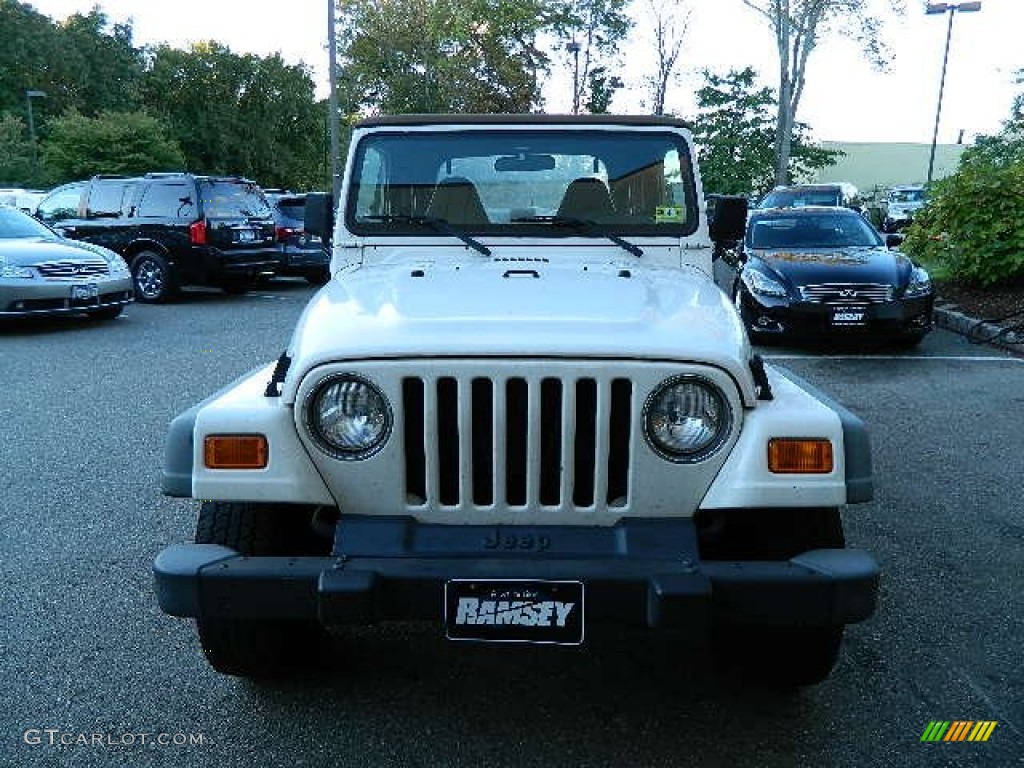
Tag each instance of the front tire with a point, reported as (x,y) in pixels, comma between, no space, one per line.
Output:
(152,278)
(783,657)
(318,276)
(257,648)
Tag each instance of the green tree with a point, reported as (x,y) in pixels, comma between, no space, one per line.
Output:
(973,223)
(798,27)
(98,69)
(15,153)
(733,131)
(440,55)
(82,63)
(28,46)
(668,21)
(238,114)
(598,28)
(112,142)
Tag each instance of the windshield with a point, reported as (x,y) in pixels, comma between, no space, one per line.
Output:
(14,223)
(811,230)
(799,198)
(906,196)
(522,183)
(233,199)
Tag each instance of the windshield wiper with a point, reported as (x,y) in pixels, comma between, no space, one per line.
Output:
(581,225)
(438,225)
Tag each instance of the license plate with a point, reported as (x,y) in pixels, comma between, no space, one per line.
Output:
(849,316)
(85,292)
(246,236)
(514,611)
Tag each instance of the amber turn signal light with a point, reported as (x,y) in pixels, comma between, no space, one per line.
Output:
(235,452)
(799,455)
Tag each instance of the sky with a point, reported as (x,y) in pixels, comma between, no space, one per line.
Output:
(844,98)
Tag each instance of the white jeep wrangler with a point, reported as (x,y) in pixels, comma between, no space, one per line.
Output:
(520,407)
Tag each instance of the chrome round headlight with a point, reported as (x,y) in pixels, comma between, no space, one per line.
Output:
(348,417)
(686,419)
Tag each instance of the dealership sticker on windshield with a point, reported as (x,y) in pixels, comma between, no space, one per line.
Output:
(514,611)
(668,213)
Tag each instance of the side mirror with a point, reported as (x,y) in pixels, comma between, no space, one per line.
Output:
(319,215)
(894,240)
(730,221)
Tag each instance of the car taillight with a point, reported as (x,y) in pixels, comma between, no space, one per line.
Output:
(283,233)
(197,232)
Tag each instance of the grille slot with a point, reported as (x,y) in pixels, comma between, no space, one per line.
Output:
(847,293)
(81,269)
(517,442)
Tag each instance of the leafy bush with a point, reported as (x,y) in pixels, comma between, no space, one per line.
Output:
(113,142)
(973,224)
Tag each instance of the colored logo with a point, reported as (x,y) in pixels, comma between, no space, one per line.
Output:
(959,730)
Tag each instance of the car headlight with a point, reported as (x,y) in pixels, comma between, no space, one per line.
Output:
(117,265)
(762,285)
(686,419)
(348,417)
(919,285)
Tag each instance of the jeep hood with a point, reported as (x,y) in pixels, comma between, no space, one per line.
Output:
(521,309)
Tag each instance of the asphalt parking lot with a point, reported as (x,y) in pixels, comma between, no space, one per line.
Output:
(85,651)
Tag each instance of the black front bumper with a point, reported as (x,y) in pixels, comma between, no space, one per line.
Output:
(640,572)
(895,319)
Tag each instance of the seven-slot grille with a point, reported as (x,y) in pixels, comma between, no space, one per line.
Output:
(847,293)
(73,270)
(517,441)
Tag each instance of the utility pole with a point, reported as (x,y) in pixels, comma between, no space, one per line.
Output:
(574,49)
(29,95)
(951,8)
(332,101)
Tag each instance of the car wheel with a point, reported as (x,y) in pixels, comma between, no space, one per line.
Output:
(107,313)
(318,276)
(911,341)
(255,647)
(772,656)
(152,278)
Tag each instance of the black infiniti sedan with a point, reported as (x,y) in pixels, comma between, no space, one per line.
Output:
(825,273)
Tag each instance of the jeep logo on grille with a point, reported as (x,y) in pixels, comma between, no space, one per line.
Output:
(520,540)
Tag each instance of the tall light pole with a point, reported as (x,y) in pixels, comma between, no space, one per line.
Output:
(574,49)
(332,99)
(950,8)
(29,95)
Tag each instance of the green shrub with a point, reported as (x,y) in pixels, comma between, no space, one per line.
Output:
(973,224)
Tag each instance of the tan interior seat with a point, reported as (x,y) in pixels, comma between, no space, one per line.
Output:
(588,199)
(456,200)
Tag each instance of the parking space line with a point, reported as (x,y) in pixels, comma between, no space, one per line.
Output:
(946,358)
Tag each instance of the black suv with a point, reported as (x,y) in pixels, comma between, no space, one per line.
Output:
(173,229)
(302,254)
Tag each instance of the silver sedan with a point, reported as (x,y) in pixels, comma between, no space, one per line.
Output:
(42,273)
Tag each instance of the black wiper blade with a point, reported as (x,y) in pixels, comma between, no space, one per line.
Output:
(438,225)
(582,225)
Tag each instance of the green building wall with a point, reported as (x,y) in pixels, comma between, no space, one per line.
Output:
(873,167)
